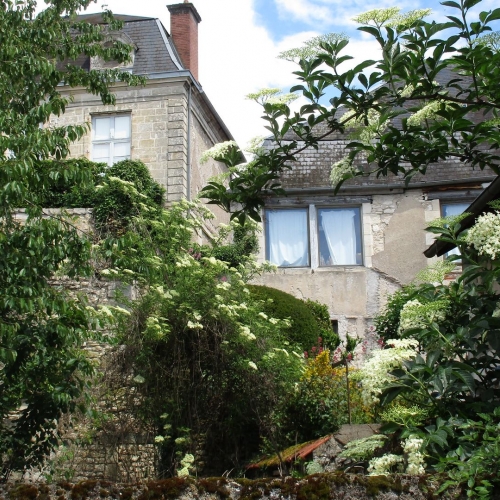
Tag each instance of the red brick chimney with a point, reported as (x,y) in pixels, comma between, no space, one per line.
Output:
(184,20)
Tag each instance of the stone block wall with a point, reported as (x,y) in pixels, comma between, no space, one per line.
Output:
(393,239)
(160,117)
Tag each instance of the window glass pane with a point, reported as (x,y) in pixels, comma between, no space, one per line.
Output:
(100,153)
(339,236)
(453,208)
(449,209)
(287,237)
(122,127)
(102,127)
(121,149)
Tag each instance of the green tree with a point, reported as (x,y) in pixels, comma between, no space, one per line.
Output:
(401,115)
(42,368)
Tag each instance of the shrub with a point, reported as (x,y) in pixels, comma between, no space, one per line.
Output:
(310,320)
(126,190)
(387,322)
(62,191)
(319,405)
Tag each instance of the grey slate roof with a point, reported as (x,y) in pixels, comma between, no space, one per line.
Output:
(155,51)
(313,167)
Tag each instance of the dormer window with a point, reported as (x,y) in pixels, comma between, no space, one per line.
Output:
(98,63)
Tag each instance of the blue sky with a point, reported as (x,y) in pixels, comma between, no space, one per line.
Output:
(240,39)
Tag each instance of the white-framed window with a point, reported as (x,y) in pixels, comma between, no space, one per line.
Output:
(111,138)
(449,209)
(339,236)
(313,237)
(287,237)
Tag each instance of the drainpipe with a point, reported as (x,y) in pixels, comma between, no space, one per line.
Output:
(189,147)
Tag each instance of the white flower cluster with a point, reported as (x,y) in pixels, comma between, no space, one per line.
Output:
(427,112)
(404,415)
(362,449)
(187,463)
(375,373)
(246,333)
(407,20)
(415,464)
(417,315)
(311,47)
(377,16)
(341,170)
(272,96)
(436,273)
(415,458)
(484,236)
(255,145)
(218,151)
(381,466)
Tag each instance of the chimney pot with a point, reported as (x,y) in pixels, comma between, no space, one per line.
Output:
(184,20)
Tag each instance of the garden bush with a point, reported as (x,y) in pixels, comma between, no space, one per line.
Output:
(310,319)
(319,404)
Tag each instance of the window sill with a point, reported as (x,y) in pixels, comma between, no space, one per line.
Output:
(330,269)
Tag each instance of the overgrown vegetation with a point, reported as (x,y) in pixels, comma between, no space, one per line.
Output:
(209,364)
(437,381)
(42,368)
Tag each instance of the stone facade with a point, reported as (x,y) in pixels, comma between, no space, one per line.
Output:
(393,237)
(168,122)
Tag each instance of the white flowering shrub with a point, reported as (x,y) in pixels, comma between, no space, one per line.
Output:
(342,170)
(375,374)
(417,315)
(363,449)
(415,463)
(386,464)
(201,348)
(219,152)
(484,236)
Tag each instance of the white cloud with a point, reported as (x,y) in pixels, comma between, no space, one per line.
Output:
(305,10)
(335,14)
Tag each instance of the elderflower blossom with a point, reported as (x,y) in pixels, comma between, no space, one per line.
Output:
(312,47)
(375,374)
(484,236)
(381,466)
(428,112)
(246,333)
(363,449)
(436,273)
(448,221)
(415,460)
(159,439)
(405,416)
(272,96)
(194,325)
(218,151)
(377,16)
(251,364)
(417,315)
(342,170)
(408,19)
(255,145)
(186,463)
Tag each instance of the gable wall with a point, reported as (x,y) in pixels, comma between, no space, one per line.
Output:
(393,221)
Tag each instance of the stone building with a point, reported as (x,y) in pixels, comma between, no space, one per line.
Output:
(168,122)
(352,249)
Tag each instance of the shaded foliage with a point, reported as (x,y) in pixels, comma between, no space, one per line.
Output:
(42,329)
